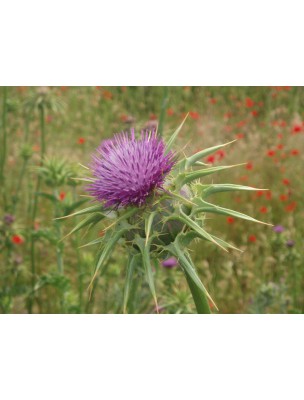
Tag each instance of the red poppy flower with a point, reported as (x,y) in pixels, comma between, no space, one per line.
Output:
(36,147)
(239,135)
(268,195)
(48,119)
(123,117)
(107,95)
(249,166)
(243,178)
(260,193)
(280,146)
(270,153)
(280,136)
(62,196)
(283,197)
(252,238)
(230,220)
(249,103)
(296,128)
(241,123)
(254,113)
(211,159)
(291,207)
(194,114)
(213,101)
(170,112)
(228,115)
(220,154)
(286,182)
(81,140)
(17,239)
(153,117)
(295,152)
(263,210)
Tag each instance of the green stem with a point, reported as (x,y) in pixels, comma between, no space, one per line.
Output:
(59,244)
(79,264)
(33,240)
(3,145)
(19,185)
(195,285)
(163,111)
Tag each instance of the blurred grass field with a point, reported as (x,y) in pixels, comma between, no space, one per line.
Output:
(267,277)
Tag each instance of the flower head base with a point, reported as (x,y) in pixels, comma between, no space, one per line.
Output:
(127,170)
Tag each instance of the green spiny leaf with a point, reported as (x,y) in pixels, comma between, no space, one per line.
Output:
(148,225)
(189,161)
(174,136)
(87,210)
(145,252)
(109,245)
(195,227)
(198,290)
(205,207)
(208,190)
(90,219)
(132,262)
(184,178)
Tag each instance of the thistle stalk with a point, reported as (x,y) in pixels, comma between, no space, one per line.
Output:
(3,145)
(35,205)
(163,110)
(79,263)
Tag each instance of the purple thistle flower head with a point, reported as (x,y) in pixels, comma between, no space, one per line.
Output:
(8,219)
(278,229)
(290,243)
(127,170)
(170,263)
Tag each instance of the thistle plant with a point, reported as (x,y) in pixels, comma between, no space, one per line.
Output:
(42,100)
(152,202)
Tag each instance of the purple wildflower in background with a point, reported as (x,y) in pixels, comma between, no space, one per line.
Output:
(8,219)
(290,243)
(127,170)
(170,263)
(278,229)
